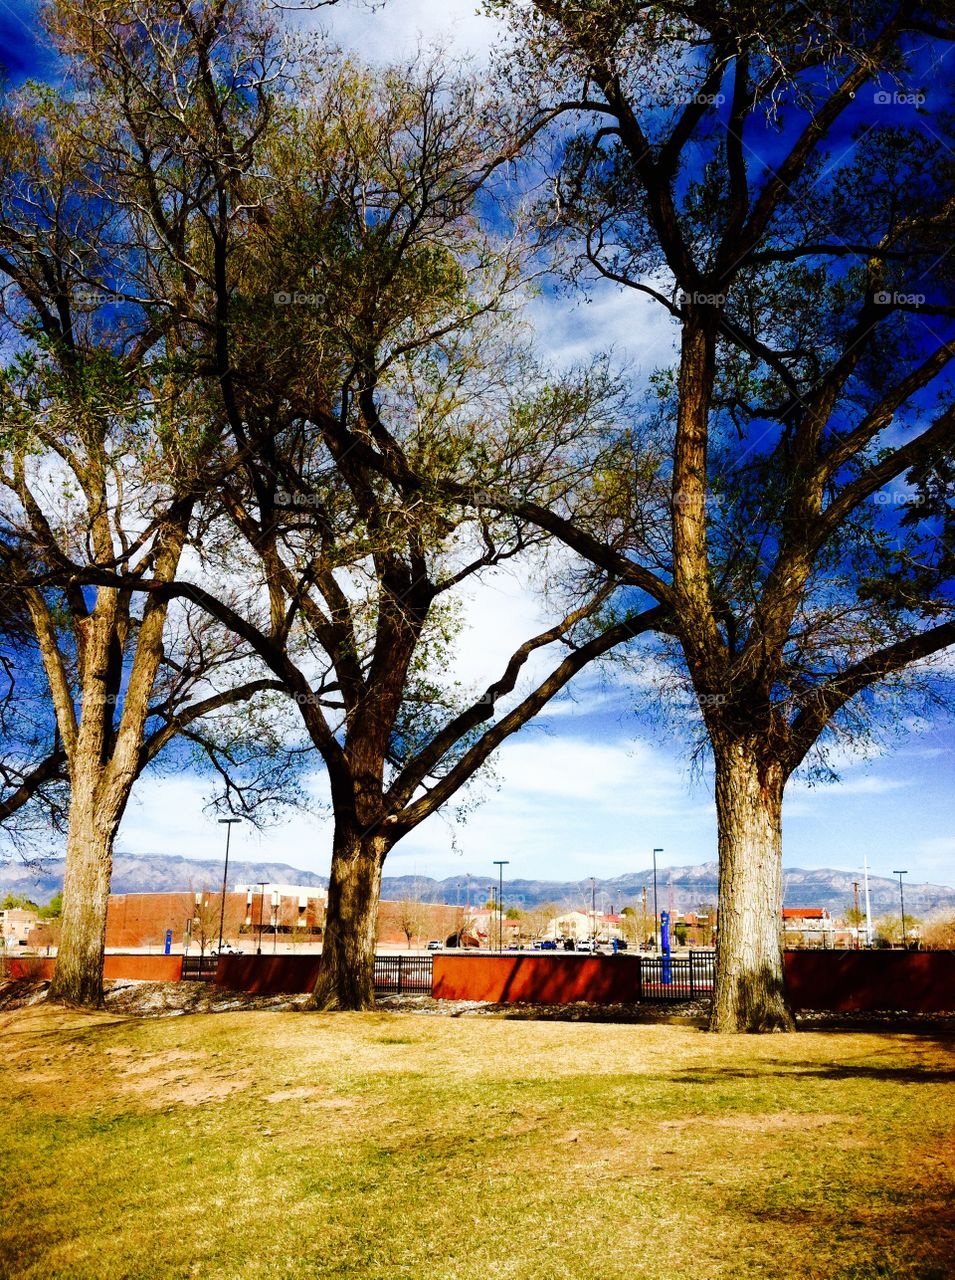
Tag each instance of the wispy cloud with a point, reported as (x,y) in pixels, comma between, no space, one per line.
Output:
(394,31)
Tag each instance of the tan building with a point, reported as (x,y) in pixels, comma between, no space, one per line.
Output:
(15,926)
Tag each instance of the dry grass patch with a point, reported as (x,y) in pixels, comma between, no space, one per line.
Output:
(292,1145)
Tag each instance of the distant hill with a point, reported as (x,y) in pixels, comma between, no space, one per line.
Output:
(151,873)
(685,887)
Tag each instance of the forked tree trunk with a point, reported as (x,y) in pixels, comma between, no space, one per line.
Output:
(346,974)
(78,974)
(749,990)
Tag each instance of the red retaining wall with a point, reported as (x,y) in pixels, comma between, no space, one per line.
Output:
(909,981)
(544,979)
(268,975)
(134,967)
(143,968)
(35,968)
(843,981)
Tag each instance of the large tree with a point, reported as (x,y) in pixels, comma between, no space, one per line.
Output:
(313,242)
(400,341)
(769,176)
(105,447)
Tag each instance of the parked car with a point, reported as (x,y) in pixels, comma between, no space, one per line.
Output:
(434,945)
(548,944)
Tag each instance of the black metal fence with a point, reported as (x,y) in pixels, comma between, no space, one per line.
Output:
(676,977)
(396,975)
(658,978)
(199,968)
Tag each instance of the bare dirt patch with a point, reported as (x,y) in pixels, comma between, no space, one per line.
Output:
(163,1089)
(292,1095)
(774,1122)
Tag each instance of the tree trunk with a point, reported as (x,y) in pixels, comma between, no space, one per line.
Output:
(749,993)
(346,975)
(78,974)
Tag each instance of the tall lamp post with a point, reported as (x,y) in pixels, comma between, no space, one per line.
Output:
(656,917)
(227,823)
(855,909)
(500,864)
(261,885)
(593,911)
(900,874)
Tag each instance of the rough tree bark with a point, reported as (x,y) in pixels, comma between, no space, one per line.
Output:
(749,992)
(105,757)
(346,976)
(78,975)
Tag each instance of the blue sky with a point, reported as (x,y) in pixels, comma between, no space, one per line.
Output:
(22,52)
(591,788)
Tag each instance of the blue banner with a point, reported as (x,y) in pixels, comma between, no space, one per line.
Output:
(667,966)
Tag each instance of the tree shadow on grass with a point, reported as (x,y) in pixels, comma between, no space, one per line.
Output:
(667,1015)
(794,1069)
(921,1230)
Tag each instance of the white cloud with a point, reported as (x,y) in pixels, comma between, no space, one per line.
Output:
(570,807)
(395,30)
(167,815)
(635,327)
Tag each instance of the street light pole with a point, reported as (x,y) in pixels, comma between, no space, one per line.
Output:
(261,884)
(593,911)
(900,874)
(227,823)
(656,917)
(855,909)
(500,864)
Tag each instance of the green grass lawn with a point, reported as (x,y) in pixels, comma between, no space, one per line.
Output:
(406,1147)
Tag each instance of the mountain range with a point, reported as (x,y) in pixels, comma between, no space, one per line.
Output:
(678,888)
